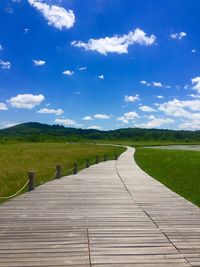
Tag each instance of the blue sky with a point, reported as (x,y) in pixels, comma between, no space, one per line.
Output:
(102,64)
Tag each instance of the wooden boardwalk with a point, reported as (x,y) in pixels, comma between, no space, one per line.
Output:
(112,214)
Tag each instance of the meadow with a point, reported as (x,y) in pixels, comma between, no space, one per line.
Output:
(178,170)
(18,158)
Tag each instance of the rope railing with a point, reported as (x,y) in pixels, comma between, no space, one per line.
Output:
(15,194)
(57,174)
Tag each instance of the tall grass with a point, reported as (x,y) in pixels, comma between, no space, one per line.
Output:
(178,170)
(17,159)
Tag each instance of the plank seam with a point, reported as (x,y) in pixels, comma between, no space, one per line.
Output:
(88,243)
(122,179)
(176,247)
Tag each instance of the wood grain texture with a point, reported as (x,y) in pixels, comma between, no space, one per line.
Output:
(111,214)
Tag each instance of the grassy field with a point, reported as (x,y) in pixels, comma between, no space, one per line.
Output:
(178,170)
(17,159)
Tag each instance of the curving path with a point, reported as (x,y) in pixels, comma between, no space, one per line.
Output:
(112,214)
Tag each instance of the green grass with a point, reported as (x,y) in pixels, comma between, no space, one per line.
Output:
(178,170)
(17,159)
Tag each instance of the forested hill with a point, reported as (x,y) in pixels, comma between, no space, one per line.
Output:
(34,131)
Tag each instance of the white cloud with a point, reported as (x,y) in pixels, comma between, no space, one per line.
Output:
(155,123)
(131,98)
(190,125)
(196,83)
(101,77)
(7,124)
(128,116)
(38,62)
(95,127)
(157,84)
(160,96)
(154,84)
(147,109)
(102,116)
(194,96)
(65,122)
(56,16)
(27,101)
(184,109)
(5,64)
(82,68)
(51,111)
(143,82)
(151,117)
(117,44)
(193,50)
(3,106)
(1,47)
(87,118)
(178,35)
(68,72)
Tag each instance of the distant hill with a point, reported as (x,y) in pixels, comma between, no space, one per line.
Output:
(33,131)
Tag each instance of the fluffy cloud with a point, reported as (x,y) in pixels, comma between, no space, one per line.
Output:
(187,110)
(95,127)
(87,118)
(128,116)
(7,124)
(157,84)
(51,111)
(193,51)
(117,44)
(101,77)
(68,72)
(154,123)
(3,106)
(159,96)
(56,16)
(102,116)
(5,64)
(27,101)
(184,108)
(194,96)
(147,109)
(196,84)
(178,35)
(65,122)
(131,98)
(188,125)
(38,62)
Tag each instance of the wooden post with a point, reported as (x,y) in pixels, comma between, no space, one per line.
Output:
(116,156)
(97,159)
(31,178)
(105,157)
(87,164)
(58,171)
(75,168)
